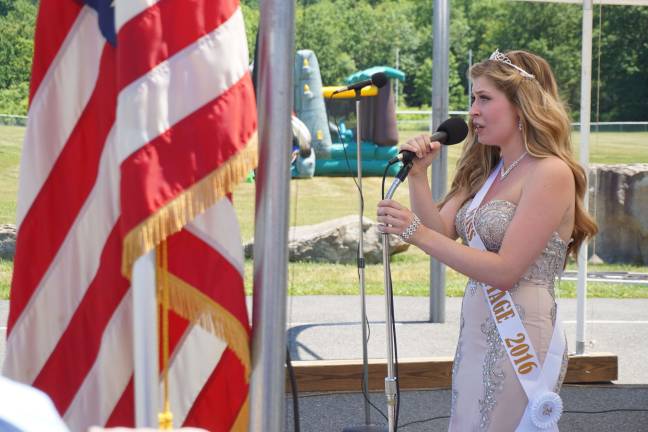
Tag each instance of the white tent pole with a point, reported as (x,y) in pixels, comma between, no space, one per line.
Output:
(440,73)
(585,107)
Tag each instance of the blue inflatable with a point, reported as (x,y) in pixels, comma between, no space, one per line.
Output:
(333,137)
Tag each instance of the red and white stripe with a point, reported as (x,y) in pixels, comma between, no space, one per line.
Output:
(70,311)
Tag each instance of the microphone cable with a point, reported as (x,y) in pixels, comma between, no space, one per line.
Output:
(344,148)
(293,380)
(293,390)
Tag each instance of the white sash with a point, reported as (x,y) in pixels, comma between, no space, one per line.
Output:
(545,406)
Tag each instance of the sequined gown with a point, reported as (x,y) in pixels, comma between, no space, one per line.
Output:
(486,394)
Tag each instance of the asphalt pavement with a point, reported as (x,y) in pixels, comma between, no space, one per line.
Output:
(328,327)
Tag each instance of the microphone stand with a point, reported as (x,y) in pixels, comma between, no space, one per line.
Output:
(367,427)
(391,380)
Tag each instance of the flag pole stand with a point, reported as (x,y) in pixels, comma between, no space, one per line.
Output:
(367,427)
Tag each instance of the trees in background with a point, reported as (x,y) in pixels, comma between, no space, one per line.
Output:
(17,18)
(624,64)
(548,29)
(350,35)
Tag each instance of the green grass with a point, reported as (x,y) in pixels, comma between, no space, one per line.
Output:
(410,275)
(616,147)
(6,268)
(323,198)
(10,144)
(316,200)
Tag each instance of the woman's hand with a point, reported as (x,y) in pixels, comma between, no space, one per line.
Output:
(393,218)
(426,151)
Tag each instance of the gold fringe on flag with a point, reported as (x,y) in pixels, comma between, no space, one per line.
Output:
(186,206)
(241,422)
(192,305)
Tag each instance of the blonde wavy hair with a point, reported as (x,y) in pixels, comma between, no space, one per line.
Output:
(546,132)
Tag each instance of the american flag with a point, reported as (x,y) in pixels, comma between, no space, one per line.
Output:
(142,120)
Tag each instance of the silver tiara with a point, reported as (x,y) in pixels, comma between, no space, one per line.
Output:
(498,56)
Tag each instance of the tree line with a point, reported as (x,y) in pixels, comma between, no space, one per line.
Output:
(17,20)
(351,35)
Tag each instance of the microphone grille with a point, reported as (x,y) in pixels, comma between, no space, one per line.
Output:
(379,79)
(456,128)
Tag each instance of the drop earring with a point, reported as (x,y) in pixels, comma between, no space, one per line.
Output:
(519,124)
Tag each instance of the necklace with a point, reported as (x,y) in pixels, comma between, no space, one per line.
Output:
(505,172)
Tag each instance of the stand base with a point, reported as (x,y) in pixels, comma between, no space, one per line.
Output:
(365,428)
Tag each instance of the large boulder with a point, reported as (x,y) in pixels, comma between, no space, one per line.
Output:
(336,241)
(7,241)
(618,201)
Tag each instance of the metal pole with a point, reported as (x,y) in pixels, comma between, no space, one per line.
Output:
(390,379)
(361,264)
(367,427)
(391,384)
(440,165)
(145,342)
(586,88)
(469,80)
(396,81)
(275,99)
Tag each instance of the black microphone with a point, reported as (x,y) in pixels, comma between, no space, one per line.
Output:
(379,79)
(452,131)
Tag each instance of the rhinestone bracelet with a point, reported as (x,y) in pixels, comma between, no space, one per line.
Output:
(410,230)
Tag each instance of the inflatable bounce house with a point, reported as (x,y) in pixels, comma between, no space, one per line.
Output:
(327,145)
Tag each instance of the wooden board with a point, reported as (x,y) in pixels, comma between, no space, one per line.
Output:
(593,367)
(426,373)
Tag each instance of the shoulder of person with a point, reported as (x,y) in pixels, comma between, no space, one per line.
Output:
(463,195)
(552,170)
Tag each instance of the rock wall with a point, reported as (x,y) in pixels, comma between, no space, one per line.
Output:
(618,200)
(7,241)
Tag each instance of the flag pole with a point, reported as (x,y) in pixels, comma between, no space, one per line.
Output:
(274,102)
